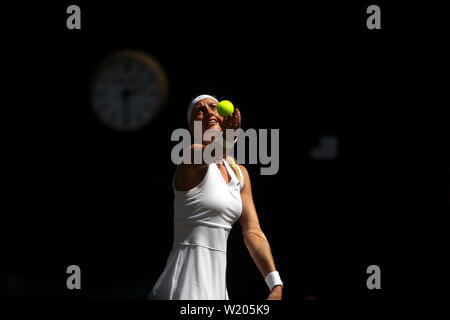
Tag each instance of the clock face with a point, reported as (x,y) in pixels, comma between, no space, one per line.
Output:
(128,90)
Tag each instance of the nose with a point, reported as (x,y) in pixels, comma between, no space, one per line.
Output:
(210,111)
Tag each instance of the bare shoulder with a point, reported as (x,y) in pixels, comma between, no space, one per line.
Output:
(246,176)
(188,176)
(243,169)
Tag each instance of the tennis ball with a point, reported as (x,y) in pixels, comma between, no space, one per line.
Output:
(225,108)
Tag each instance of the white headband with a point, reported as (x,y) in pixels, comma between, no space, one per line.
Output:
(200,97)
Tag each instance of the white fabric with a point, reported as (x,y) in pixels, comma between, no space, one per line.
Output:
(243,180)
(203,218)
(197,99)
(223,142)
(273,279)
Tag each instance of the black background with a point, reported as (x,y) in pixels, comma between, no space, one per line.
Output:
(81,193)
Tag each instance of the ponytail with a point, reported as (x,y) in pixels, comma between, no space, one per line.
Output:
(233,164)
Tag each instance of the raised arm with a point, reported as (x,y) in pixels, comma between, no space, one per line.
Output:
(254,238)
(190,174)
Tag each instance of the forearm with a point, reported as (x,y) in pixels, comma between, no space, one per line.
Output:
(260,251)
(200,155)
(220,148)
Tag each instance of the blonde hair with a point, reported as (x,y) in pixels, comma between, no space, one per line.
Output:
(233,164)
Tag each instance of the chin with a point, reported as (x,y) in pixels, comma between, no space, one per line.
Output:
(215,126)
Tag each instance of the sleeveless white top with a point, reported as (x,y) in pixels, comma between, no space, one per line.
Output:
(203,218)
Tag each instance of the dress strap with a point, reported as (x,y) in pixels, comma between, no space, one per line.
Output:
(242,175)
(231,173)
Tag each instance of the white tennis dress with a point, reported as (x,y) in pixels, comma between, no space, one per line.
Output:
(203,217)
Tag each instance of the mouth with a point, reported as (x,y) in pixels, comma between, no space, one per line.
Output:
(212,121)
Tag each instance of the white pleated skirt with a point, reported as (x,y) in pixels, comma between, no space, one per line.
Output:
(192,272)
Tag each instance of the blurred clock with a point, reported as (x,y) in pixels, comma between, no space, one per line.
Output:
(128,89)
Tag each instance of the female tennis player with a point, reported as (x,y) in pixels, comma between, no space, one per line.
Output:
(209,199)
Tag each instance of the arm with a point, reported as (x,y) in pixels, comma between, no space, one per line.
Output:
(255,240)
(190,174)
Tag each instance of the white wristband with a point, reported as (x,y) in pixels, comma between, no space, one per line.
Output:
(273,279)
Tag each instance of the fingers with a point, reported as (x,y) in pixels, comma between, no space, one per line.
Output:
(231,117)
(238,118)
(232,121)
(235,119)
(227,121)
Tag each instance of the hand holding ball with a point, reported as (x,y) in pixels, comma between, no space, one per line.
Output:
(231,117)
(225,108)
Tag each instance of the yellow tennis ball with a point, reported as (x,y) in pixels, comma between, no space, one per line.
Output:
(225,108)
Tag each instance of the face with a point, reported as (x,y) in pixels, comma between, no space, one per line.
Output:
(205,111)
